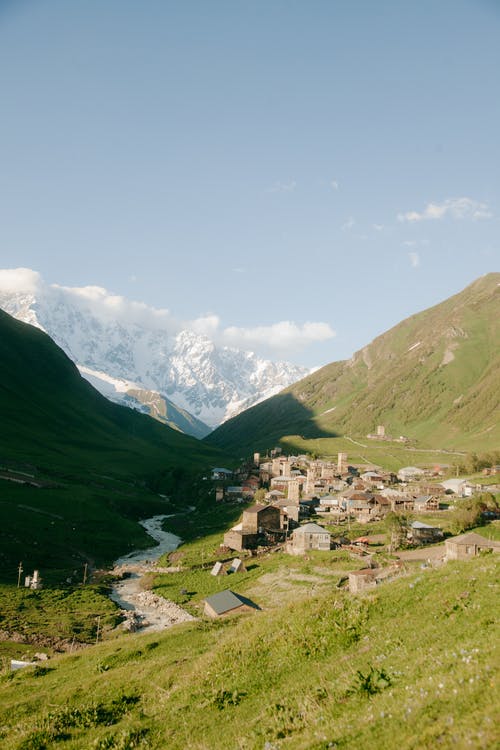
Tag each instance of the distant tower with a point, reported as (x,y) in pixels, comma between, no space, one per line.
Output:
(276,469)
(380,431)
(294,491)
(341,462)
(310,482)
(256,459)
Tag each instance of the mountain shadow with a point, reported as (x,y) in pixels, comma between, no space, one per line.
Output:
(263,425)
(433,378)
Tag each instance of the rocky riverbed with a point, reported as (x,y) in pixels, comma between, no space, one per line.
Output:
(144,611)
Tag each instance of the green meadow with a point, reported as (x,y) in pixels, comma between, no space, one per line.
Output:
(411,665)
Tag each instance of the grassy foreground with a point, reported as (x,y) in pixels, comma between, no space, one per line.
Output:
(411,665)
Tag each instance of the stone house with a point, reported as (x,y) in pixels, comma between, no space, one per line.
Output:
(259,518)
(255,521)
(465,546)
(308,537)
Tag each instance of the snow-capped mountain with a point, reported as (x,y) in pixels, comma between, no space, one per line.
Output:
(125,348)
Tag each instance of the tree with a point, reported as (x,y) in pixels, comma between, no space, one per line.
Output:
(469,512)
(260,495)
(397,528)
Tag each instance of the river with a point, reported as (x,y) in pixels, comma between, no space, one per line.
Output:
(148,612)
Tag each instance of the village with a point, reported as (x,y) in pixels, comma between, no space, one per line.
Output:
(302,505)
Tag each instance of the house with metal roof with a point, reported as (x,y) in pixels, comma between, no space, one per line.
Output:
(308,537)
(465,546)
(422,533)
(226,603)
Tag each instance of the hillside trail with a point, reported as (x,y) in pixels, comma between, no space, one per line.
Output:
(145,611)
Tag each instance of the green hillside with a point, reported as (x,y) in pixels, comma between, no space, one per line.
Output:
(434,378)
(77,471)
(410,665)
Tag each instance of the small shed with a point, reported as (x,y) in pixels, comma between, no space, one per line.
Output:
(465,546)
(226,603)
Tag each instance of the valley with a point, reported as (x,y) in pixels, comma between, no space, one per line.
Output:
(357,567)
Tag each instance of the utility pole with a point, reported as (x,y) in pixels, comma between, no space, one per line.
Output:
(19,573)
(85,568)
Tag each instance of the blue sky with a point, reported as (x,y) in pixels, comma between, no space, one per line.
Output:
(257,162)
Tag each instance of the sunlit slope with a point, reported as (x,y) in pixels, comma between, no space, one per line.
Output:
(410,665)
(435,377)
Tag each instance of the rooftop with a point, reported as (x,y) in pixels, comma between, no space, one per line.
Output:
(311,528)
(225,601)
(473,538)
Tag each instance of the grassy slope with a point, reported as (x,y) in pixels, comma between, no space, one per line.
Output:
(409,390)
(104,463)
(51,415)
(411,665)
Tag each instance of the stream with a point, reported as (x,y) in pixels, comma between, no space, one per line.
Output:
(147,611)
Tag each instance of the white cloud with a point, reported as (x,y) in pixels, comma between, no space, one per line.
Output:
(334,184)
(275,339)
(456,208)
(378,227)
(285,336)
(409,243)
(206,325)
(19,280)
(99,301)
(414,259)
(282,187)
(348,224)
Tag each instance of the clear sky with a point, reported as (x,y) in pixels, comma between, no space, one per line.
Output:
(334,162)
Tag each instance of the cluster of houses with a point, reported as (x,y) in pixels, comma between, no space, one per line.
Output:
(297,485)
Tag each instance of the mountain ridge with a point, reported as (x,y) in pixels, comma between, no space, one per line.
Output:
(432,377)
(187,370)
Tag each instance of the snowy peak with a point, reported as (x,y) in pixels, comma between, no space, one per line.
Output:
(124,347)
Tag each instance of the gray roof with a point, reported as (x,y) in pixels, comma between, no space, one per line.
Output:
(420,525)
(225,601)
(473,538)
(256,508)
(311,528)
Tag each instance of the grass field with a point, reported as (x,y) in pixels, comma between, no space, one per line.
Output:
(411,665)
